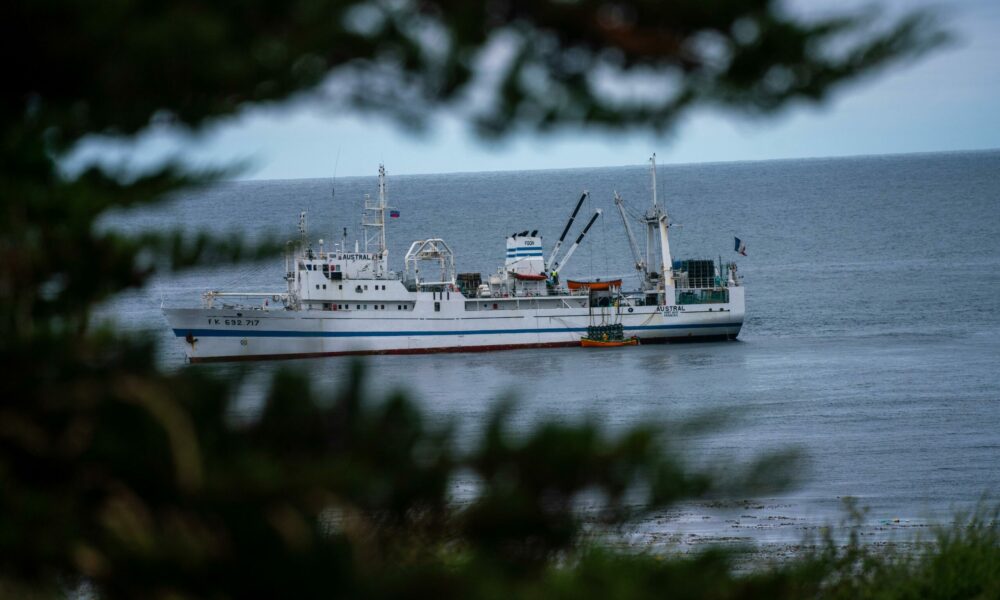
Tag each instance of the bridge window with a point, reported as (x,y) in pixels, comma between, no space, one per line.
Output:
(437,307)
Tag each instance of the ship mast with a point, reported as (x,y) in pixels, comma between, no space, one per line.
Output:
(373,222)
(302,230)
(656,223)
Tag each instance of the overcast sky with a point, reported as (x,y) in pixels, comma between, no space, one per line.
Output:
(949,100)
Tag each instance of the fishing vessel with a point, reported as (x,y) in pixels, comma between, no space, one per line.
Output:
(345,300)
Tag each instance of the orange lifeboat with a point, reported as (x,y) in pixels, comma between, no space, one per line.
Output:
(594,285)
(530,277)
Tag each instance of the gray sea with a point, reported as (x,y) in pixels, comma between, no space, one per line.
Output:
(872,341)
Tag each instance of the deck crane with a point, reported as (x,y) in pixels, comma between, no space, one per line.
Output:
(562,263)
(640,264)
(555,249)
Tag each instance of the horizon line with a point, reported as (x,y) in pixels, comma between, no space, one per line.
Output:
(662,164)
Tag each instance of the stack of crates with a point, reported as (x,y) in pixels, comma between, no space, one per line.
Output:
(606,333)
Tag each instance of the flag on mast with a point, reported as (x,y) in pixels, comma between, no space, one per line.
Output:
(740,247)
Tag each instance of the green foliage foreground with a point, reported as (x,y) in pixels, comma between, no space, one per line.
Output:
(148,485)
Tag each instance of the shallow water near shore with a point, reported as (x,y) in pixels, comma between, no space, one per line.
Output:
(872,341)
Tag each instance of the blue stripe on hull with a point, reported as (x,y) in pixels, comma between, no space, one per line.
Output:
(322,334)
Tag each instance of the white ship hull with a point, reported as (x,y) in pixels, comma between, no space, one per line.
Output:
(340,301)
(459,325)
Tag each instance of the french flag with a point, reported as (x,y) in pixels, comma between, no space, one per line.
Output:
(740,247)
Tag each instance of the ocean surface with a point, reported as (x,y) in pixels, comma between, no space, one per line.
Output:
(872,338)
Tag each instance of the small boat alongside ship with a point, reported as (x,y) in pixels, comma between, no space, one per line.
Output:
(341,301)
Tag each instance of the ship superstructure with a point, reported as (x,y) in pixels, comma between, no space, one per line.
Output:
(346,300)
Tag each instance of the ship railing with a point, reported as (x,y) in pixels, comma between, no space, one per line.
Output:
(552,292)
(713,295)
(700,283)
(520,303)
(209,298)
(564,291)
